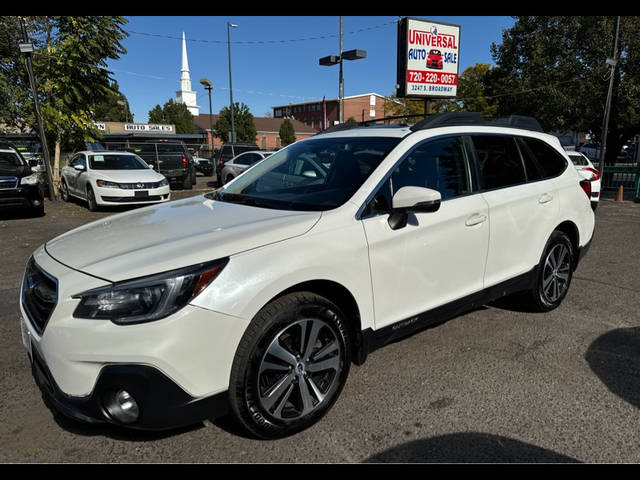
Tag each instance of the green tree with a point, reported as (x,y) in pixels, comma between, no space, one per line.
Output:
(287,132)
(70,65)
(553,68)
(113,108)
(173,113)
(243,123)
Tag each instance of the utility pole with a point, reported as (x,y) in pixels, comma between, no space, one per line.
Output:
(233,128)
(27,48)
(341,82)
(612,62)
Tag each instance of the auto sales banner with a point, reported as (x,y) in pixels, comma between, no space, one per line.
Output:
(428,59)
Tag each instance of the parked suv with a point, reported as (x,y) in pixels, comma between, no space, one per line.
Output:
(170,158)
(257,297)
(20,185)
(227,152)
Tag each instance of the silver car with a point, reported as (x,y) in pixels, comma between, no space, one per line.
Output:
(240,163)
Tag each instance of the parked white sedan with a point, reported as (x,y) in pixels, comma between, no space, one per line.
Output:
(586,169)
(242,162)
(112,178)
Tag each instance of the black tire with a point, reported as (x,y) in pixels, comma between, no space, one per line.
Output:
(554,274)
(308,384)
(92,205)
(64,191)
(186,183)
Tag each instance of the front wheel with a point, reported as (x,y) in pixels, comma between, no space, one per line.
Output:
(92,205)
(291,365)
(554,274)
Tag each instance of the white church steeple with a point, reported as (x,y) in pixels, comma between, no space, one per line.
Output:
(185,95)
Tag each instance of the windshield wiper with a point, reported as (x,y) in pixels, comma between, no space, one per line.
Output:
(241,199)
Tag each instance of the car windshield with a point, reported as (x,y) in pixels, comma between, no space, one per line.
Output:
(10,160)
(313,175)
(117,162)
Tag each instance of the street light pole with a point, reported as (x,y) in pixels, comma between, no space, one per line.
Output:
(611,62)
(209,86)
(27,48)
(233,128)
(341,82)
(333,60)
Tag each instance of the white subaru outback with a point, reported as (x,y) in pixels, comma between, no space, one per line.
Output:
(256,298)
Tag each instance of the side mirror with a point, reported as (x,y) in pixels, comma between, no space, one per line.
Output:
(80,168)
(412,200)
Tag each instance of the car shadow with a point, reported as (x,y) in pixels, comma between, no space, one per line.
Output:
(615,358)
(468,448)
(19,213)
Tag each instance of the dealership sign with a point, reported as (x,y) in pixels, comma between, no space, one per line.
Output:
(428,59)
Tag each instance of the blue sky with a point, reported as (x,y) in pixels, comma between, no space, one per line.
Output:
(274,58)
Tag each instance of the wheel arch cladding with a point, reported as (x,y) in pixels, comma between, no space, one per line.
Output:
(347,303)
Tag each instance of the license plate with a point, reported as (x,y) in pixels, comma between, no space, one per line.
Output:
(141,193)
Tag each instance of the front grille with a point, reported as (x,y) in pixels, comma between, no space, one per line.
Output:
(8,183)
(140,185)
(39,295)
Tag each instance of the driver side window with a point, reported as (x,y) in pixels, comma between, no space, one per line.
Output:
(438,164)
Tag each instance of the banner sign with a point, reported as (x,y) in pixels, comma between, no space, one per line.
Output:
(428,59)
(137,127)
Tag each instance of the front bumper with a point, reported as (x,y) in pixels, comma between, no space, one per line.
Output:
(25,196)
(162,403)
(117,196)
(177,368)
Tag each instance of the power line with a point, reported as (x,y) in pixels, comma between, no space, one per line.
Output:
(266,42)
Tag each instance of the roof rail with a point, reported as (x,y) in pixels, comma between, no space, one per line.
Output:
(451,119)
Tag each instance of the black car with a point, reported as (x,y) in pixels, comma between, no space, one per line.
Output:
(20,186)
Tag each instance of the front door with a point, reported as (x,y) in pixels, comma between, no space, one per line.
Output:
(437,257)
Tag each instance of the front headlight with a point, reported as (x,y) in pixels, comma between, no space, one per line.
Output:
(107,184)
(30,180)
(149,298)
(164,182)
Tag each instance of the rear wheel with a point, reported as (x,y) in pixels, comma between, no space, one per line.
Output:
(554,274)
(291,365)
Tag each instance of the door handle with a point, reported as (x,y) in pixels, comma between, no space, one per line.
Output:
(546,198)
(475,219)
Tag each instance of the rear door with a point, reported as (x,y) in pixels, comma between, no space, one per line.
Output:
(523,206)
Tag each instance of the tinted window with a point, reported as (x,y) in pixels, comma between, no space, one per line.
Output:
(246,159)
(439,165)
(499,161)
(549,159)
(10,159)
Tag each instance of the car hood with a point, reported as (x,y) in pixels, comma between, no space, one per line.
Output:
(173,235)
(128,176)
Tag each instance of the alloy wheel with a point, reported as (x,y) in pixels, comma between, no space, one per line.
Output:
(556,273)
(299,369)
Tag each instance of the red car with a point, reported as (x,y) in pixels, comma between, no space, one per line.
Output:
(434,59)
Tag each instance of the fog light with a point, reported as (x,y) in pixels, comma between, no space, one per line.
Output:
(122,407)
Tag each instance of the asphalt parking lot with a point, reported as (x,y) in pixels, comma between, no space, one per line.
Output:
(493,385)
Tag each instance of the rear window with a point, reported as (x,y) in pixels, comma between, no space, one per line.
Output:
(499,161)
(578,160)
(549,159)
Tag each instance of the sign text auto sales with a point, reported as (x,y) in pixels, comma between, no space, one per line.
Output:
(428,58)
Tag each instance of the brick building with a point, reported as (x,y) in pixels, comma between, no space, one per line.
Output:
(267,131)
(359,107)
